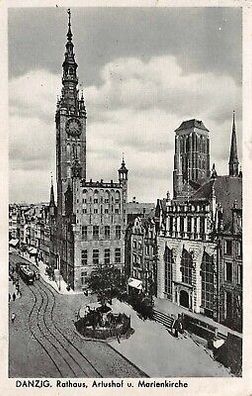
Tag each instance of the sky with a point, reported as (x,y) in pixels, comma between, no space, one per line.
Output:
(142,70)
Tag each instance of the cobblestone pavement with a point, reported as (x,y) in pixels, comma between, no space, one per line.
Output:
(43,341)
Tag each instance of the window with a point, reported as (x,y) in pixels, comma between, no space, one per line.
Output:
(136,260)
(239,275)
(107,256)
(118,232)
(186,267)
(84,256)
(189,225)
(117,197)
(95,256)
(207,276)
(182,227)
(95,232)
(117,255)
(95,200)
(84,210)
(229,272)
(106,200)
(95,211)
(202,226)
(83,277)
(107,232)
(228,247)
(239,252)
(84,232)
(168,259)
(84,200)
(116,210)
(171,225)
(106,210)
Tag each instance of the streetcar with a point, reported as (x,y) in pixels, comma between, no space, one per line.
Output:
(27,274)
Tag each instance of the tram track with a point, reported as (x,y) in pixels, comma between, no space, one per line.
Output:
(37,335)
(75,356)
(72,356)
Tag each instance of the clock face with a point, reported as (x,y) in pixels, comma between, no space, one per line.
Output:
(73,127)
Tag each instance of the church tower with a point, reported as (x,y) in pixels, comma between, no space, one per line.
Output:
(233,157)
(123,180)
(70,125)
(191,159)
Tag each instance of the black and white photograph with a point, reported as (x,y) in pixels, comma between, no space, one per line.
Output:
(125,209)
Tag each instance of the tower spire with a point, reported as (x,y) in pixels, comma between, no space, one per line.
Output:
(233,156)
(52,201)
(69,33)
(69,78)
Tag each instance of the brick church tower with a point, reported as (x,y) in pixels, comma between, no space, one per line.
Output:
(70,125)
(191,159)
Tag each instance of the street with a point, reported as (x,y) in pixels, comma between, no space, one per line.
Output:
(44,333)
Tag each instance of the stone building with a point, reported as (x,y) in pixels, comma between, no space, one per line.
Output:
(200,233)
(140,255)
(88,224)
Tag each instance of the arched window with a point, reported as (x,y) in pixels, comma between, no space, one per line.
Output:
(73,151)
(207,279)
(186,267)
(187,144)
(168,260)
(117,197)
(106,196)
(68,152)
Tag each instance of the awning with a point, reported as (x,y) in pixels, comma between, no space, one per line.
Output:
(14,242)
(136,283)
(32,250)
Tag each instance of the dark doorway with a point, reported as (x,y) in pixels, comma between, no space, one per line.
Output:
(184,299)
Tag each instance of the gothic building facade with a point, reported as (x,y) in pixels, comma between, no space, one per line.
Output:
(88,223)
(199,242)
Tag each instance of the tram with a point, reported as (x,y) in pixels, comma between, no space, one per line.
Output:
(27,274)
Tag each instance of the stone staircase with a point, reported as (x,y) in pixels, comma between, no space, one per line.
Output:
(164,319)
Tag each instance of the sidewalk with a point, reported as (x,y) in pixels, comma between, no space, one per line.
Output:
(155,351)
(55,284)
(167,307)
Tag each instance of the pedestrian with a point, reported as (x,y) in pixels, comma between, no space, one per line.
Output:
(13,317)
(174,328)
(180,324)
(14,296)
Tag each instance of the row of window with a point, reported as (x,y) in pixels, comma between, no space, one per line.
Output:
(96,256)
(173,225)
(96,210)
(207,275)
(97,234)
(194,143)
(97,201)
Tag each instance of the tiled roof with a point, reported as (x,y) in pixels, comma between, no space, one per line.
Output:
(227,190)
(192,124)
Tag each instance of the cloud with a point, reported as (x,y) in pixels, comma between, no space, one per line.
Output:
(160,83)
(34,95)
(202,39)
(135,109)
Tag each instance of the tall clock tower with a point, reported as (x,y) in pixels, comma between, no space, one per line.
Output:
(70,121)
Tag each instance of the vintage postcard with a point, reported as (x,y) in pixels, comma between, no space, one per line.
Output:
(126,248)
